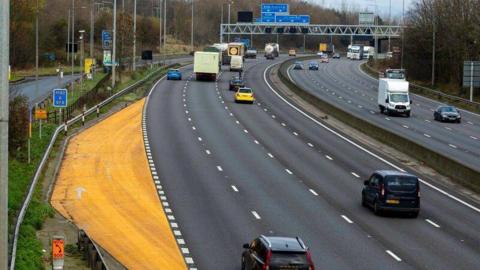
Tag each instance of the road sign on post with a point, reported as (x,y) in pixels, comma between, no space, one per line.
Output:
(60,98)
(58,252)
(106,39)
(471,75)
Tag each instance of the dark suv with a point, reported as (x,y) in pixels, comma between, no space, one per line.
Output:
(275,253)
(392,191)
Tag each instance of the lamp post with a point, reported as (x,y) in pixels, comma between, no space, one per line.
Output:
(73,42)
(92,28)
(403,34)
(229,5)
(191,37)
(134,34)
(81,58)
(114,47)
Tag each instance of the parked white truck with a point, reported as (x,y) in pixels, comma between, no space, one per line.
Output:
(393,97)
(205,65)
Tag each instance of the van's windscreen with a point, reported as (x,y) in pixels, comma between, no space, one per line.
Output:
(398,98)
(401,183)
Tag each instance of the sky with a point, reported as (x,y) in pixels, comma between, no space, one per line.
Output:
(382,5)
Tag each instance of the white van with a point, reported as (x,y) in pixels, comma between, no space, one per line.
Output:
(236,63)
(393,97)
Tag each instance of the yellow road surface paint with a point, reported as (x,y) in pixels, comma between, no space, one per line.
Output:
(105,187)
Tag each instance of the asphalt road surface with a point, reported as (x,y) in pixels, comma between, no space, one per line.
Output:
(342,83)
(234,171)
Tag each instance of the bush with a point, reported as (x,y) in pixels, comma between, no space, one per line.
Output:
(18,124)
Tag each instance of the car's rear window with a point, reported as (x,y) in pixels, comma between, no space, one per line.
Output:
(245,90)
(401,183)
(288,258)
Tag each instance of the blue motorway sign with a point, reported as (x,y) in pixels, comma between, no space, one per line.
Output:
(106,39)
(60,98)
(276,8)
(292,19)
(268,17)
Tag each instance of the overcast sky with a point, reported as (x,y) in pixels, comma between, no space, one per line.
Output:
(382,5)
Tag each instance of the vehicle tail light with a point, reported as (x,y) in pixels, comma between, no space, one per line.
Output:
(382,190)
(310,262)
(266,265)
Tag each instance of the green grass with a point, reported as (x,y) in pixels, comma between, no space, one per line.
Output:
(44,71)
(29,251)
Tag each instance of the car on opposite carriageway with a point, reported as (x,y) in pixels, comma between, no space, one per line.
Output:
(393,191)
(276,253)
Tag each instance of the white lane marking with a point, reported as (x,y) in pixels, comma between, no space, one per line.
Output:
(405,126)
(265,109)
(246,131)
(194,128)
(432,223)
(234,188)
(226,108)
(452,145)
(372,112)
(470,123)
(200,139)
(270,155)
(447,128)
(256,215)
(186,112)
(189,119)
(309,144)
(295,133)
(428,121)
(238,123)
(313,192)
(393,255)
(231,114)
(219,169)
(283,124)
(386,118)
(426,135)
(273,116)
(475,138)
(356,175)
(360,106)
(327,156)
(347,219)
(288,171)
(208,152)
(256,142)
(361,147)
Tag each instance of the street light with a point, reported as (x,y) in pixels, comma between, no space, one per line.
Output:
(114,41)
(134,34)
(191,38)
(81,58)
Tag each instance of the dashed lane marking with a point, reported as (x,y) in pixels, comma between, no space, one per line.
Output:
(347,219)
(256,215)
(432,223)
(393,255)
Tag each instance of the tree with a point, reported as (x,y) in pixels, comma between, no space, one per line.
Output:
(18,125)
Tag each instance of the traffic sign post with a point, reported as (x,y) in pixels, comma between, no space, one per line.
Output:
(471,75)
(58,252)
(60,98)
(106,40)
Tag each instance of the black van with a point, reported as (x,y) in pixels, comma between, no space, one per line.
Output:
(392,191)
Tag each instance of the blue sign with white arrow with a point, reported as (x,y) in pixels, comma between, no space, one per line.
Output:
(60,98)
(106,39)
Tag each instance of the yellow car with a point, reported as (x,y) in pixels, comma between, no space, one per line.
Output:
(244,94)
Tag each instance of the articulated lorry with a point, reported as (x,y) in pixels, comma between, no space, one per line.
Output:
(205,65)
(271,50)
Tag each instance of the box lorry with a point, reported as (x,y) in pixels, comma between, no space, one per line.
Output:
(236,63)
(393,97)
(205,65)
(357,52)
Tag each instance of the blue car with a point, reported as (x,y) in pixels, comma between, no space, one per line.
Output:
(174,74)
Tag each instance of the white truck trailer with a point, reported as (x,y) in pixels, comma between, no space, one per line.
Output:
(205,65)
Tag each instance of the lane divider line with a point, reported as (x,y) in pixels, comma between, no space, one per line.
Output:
(347,219)
(432,223)
(256,215)
(313,192)
(393,255)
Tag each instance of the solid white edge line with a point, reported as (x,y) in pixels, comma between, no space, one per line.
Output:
(432,223)
(359,146)
(347,219)
(398,259)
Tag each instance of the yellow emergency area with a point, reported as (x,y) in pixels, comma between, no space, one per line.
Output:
(105,187)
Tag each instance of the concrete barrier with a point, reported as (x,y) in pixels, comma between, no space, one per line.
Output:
(458,172)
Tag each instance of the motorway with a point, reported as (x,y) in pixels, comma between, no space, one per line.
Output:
(235,171)
(342,83)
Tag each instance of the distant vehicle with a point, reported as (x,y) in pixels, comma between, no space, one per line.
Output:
(356,52)
(236,83)
(292,52)
(236,63)
(336,56)
(174,74)
(324,59)
(271,49)
(313,65)
(320,54)
(393,97)
(326,48)
(447,114)
(392,191)
(205,65)
(251,53)
(398,74)
(275,252)
(389,55)
(244,94)
(368,51)
(223,48)
(349,52)
(298,65)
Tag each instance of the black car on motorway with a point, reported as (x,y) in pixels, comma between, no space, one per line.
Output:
(447,114)
(236,83)
(392,191)
(298,65)
(276,253)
